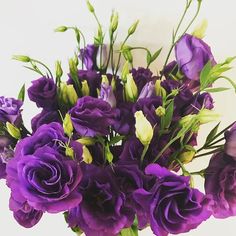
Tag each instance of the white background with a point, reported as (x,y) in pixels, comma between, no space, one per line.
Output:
(26,27)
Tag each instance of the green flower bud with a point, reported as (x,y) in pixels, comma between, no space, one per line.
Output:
(67,94)
(105,80)
(133,27)
(13,131)
(160,91)
(160,111)
(200,30)
(108,154)
(87,157)
(131,90)
(187,155)
(61,29)
(113,84)
(73,66)
(125,72)
(205,116)
(143,128)
(67,125)
(114,22)
(76,60)
(85,88)
(59,71)
(86,141)
(70,152)
(90,7)
(21,58)
(186,120)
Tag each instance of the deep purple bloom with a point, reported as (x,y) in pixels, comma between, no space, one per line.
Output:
(92,116)
(103,210)
(10,110)
(220,180)
(148,90)
(43,92)
(47,180)
(172,205)
(230,145)
(192,54)
(89,56)
(23,213)
(107,95)
(141,77)
(45,117)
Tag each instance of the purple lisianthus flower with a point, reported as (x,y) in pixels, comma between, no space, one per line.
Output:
(192,54)
(47,180)
(89,56)
(92,116)
(141,77)
(107,95)
(103,210)
(148,91)
(45,117)
(172,205)
(220,183)
(230,145)
(43,92)
(10,110)
(23,213)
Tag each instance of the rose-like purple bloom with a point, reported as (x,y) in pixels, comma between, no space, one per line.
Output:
(220,180)
(148,91)
(45,117)
(103,210)
(47,179)
(92,116)
(43,92)
(141,77)
(230,145)
(192,54)
(89,56)
(23,213)
(172,205)
(10,110)
(107,95)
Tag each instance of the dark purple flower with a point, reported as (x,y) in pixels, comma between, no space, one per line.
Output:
(220,180)
(93,79)
(89,56)
(230,145)
(107,95)
(25,214)
(47,180)
(92,116)
(170,70)
(103,210)
(43,92)
(10,110)
(45,117)
(141,77)
(192,54)
(148,91)
(172,205)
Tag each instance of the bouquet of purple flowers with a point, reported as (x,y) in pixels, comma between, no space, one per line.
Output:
(110,145)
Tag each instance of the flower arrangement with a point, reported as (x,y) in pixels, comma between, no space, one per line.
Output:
(110,146)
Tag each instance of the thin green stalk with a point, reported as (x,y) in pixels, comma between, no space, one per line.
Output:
(42,64)
(208,153)
(144,152)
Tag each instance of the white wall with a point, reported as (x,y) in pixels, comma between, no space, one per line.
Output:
(26,27)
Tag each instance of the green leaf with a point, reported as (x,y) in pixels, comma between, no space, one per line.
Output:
(212,134)
(149,57)
(116,139)
(21,95)
(230,81)
(204,76)
(156,54)
(128,232)
(216,90)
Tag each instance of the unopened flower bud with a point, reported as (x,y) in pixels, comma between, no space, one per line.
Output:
(13,131)
(73,66)
(205,116)
(88,141)
(114,22)
(61,29)
(148,90)
(187,155)
(70,152)
(160,111)
(131,90)
(21,58)
(200,30)
(105,80)
(109,156)
(133,27)
(67,125)
(106,94)
(90,7)
(59,71)
(160,91)
(113,84)
(125,72)
(143,128)
(87,157)
(67,94)
(85,88)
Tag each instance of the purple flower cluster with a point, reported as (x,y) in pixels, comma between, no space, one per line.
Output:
(111,155)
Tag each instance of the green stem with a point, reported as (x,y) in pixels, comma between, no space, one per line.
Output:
(144,152)
(208,153)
